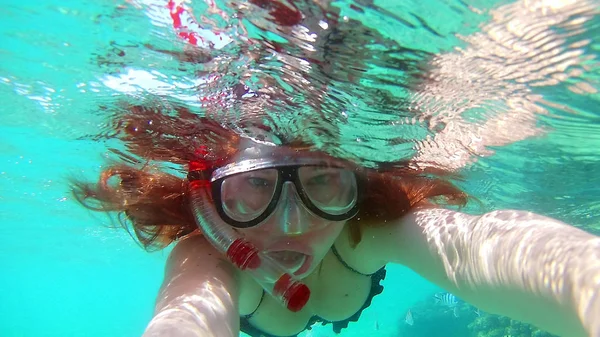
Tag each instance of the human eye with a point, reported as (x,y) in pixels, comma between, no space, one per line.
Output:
(321,179)
(258,182)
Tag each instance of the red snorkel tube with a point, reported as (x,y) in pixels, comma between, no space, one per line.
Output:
(292,293)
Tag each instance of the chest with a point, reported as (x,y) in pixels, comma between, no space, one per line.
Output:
(336,294)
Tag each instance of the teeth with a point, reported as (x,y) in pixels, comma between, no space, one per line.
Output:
(289,256)
(290,260)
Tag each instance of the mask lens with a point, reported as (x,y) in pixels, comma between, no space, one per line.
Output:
(332,190)
(245,196)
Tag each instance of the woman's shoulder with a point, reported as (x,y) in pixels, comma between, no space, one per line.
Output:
(197,252)
(381,243)
(193,268)
(362,256)
(194,254)
(194,245)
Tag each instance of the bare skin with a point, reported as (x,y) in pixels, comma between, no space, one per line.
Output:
(336,292)
(506,262)
(194,266)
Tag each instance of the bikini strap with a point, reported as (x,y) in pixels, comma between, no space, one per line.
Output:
(337,254)
(258,306)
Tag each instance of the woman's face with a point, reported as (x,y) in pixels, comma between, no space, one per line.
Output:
(293,235)
(298,252)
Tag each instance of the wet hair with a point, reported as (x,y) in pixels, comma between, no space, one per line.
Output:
(153,205)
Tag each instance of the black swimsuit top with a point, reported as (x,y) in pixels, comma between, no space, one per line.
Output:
(376,289)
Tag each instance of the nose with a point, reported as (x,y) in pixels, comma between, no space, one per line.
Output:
(293,216)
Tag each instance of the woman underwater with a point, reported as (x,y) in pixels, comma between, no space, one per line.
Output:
(273,235)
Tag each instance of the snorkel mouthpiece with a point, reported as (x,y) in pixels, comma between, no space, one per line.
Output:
(292,293)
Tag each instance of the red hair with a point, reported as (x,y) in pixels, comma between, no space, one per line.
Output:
(154,205)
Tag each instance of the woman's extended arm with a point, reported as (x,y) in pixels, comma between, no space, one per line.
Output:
(519,264)
(198,297)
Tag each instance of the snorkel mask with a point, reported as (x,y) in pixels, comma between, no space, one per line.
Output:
(265,181)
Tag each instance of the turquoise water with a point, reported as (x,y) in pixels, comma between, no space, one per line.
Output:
(65,272)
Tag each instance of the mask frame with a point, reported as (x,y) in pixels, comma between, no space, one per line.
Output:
(285,172)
